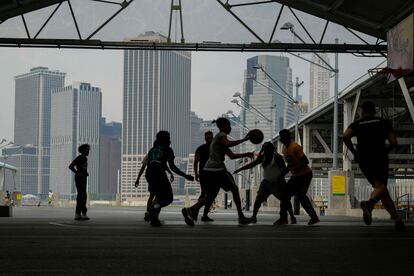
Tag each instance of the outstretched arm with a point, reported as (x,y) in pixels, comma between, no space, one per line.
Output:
(233,155)
(252,164)
(226,142)
(176,170)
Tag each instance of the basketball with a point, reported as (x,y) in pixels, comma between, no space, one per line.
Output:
(256,136)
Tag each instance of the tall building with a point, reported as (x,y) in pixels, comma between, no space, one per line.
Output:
(157,88)
(110,158)
(318,81)
(197,136)
(32,117)
(273,105)
(76,117)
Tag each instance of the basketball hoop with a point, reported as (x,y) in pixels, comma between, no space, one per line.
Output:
(396,73)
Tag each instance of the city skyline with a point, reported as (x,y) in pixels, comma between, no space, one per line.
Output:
(214,75)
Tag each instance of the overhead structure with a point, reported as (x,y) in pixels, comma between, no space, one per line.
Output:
(367,21)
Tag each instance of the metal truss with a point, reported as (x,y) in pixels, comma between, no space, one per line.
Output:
(262,44)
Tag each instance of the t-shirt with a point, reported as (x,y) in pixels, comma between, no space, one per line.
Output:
(272,171)
(81,163)
(371,133)
(203,152)
(160,155)
(293,154)
(217,153)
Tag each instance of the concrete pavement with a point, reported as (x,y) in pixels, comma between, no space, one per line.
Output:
(116,241)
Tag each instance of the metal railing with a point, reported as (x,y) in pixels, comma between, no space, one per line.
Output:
(404,207)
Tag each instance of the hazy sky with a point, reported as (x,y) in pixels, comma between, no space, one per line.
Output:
(215,77)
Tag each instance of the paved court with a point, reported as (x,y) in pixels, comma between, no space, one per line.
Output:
(43,240)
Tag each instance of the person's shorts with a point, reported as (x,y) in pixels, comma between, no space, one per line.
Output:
(156,178)
(268,188)
(214,180)
(375,169)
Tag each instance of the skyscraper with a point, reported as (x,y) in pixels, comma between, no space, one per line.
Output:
(318,81)
(274,106)
(110,157)
(76,117)
(197,136)
(157,88)
(32,117)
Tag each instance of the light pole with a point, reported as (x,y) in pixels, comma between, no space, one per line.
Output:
(297,85)
(289,26)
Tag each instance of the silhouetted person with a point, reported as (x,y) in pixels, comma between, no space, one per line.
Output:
(80,167)
(200,159)
(216,174)
(151,198)
(372,157)
(299,181)
(273,182)
(160,157)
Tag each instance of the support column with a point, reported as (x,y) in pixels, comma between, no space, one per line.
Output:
(340,182)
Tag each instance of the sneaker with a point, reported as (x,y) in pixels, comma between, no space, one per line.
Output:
(293,220)
(152,214)
(281,221)
(187,217)
(244,221)
(147,216)
(78,217)
(367,212)
(155,223)
(84,217)
(313,220)
(206,219)
(253,220)
(399,225)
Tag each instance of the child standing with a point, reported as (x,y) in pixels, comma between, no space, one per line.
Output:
(80,167)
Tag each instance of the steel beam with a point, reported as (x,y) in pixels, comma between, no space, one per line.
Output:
(229,47)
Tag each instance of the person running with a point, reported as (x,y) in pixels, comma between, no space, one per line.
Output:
(273,182)
(216,174)
(299,181)
(372,157)
(152,194)
(80,167)
(160,157)
(200,159)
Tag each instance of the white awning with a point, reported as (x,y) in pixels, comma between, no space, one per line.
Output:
(8,167)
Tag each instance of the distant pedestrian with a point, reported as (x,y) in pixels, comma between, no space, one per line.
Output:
(299,181)
(200,159)
(160,158)
(216,174)
(372,156)
(151,197)
(273,182)
(80,167)
(50,198)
